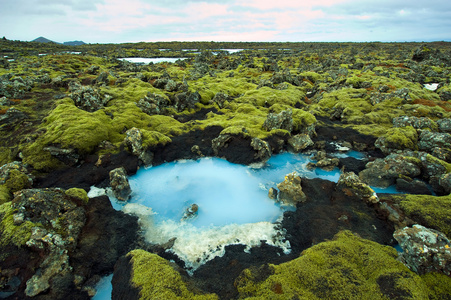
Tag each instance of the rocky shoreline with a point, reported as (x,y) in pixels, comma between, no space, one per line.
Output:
(68,121)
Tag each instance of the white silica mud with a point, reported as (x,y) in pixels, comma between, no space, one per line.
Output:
(431,86)
(209,203)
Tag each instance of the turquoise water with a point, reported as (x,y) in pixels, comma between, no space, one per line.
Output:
(233,204)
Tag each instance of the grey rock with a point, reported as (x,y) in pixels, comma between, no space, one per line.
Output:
(87,98)
(417,123)
(56,264)
(429,140)
(384,172)
(445,183)
(133,140)
(300,142)
(290,190)
(6,169)
(102,79)
(170,86)
(68,156)
(220,142)
(444,125)
(220,99)
(186,100)
(424,250)
(153,104)
(119,184)
(282,120)
(349,182)
(262,148)
(55,211)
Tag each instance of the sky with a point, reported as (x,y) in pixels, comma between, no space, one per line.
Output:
(121,21)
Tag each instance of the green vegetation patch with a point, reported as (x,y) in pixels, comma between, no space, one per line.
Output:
(430,211)
(72,128)
(439,285)
(208,86)
(158,280)
(347,267)
(401,138)
(5,194)
(11,233)
(78,194)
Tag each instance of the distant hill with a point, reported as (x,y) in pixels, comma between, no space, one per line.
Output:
(42,39)
(74,43)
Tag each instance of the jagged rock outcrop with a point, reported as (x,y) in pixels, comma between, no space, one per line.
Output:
(290,190)
(87,98)
(134,141)
(68,156)
(424,250)
(300,142)
(186,100)
(119,184)
(351,184)
(262,148)
(384,172)
(323,161)
(429,140)
(282,120)
(417,123)
(153,104)
(220,99)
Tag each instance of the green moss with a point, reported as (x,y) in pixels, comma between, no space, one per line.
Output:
(439,285)
(435,160)
(153,138)
(17,235)
(348,267)
(266,96)
(17,181)
(5,194)
(78,194)
(430,211)
(209,86)
(402,138)
(312,76)
(158,280)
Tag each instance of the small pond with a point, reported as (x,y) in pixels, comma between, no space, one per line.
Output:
(232,202)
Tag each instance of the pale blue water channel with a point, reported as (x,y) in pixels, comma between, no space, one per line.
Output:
(233,204)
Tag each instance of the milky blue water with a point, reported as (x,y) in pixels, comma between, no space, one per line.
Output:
(104,288)
(234,207)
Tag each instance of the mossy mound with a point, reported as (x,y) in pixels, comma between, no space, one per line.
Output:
(158,280)
(11,233)
(348,267)
(430,211)
(78,194)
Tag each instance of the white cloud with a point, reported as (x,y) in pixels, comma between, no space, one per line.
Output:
(253,20)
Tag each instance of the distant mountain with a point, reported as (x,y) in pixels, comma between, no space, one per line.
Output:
(42,39)
(74,43)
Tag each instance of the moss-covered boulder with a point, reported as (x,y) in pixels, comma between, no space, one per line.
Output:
(157,279)
(430,211)
(398,138)
(348,267)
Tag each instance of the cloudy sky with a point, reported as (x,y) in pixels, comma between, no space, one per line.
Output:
(118,21)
